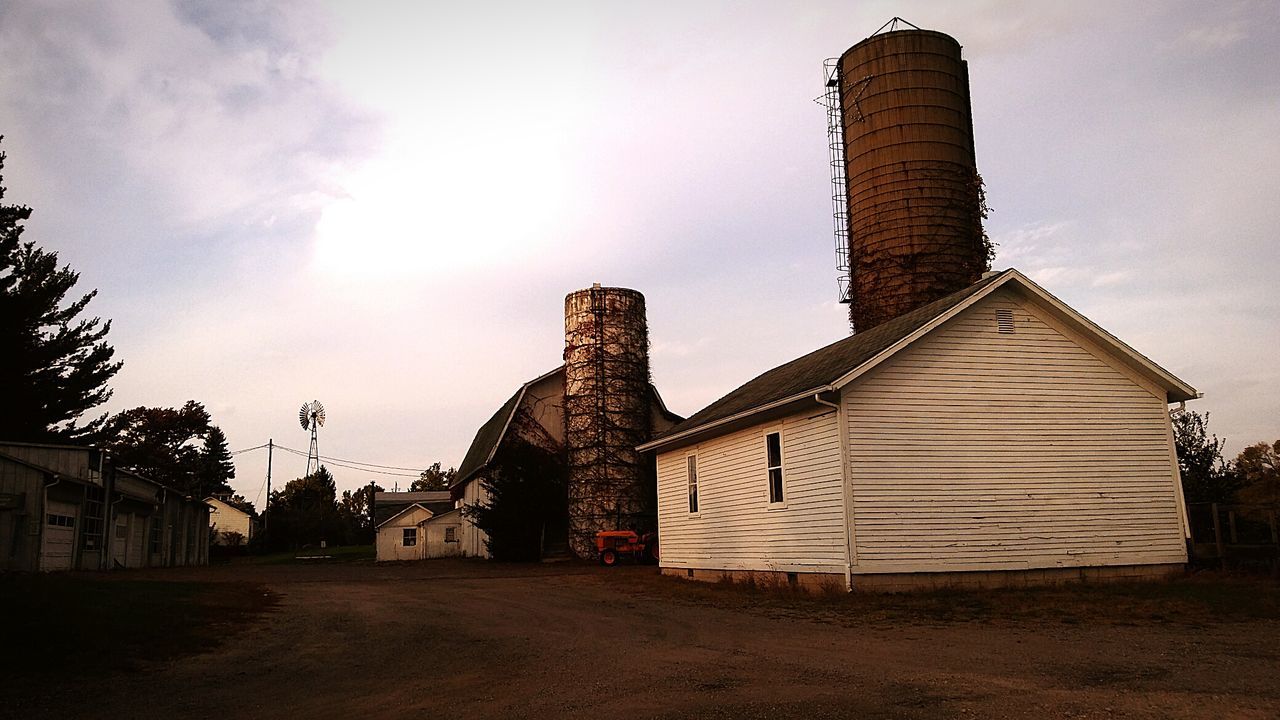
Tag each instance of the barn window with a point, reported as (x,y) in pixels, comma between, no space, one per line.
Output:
(157,533)
(91,528)
(1004,320)
(451,534)
(692,469)
(773,451)
(410,537)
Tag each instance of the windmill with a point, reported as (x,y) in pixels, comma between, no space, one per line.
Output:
(311,416)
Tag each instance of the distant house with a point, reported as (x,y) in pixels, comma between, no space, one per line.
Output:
(993,436)
(66,507)
(226,520)
(416,525)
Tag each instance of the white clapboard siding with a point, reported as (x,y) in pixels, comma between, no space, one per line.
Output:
(973,449)
(736,528)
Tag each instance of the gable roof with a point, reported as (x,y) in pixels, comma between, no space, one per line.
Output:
(224,505)
(839,363)
(432,509)
(389,504)
(490,435)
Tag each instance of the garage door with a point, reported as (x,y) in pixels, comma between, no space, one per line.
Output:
(58,544)
(137,541)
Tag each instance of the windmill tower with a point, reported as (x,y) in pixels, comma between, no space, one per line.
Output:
(311,417)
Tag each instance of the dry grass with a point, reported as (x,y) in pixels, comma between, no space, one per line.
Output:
(1198,599)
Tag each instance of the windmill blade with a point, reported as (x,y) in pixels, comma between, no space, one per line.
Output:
(318,409)
(304,417)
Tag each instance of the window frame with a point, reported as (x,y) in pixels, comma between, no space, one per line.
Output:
(781,468)
(693,494)
(451,534)
(404,537)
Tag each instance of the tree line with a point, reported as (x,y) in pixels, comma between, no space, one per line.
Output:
(1253,477)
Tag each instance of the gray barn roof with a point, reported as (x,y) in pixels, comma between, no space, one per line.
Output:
(820,368)
(829,367)
(490,434)
(387,504)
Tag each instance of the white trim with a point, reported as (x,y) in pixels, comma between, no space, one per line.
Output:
(1178,492)
(669,439)
(697,484)
(774,428)
(419,506)
(505,425)
(1109,342)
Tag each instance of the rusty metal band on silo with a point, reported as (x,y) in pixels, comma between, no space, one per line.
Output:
(914,195)
(606,411)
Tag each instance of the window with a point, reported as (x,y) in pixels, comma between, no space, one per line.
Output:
(410,537)
(773,450)
(91,528)
(157,528)
(692,468)
(451,534)
(62,520)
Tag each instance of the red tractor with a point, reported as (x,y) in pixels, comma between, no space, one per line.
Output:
(613,545)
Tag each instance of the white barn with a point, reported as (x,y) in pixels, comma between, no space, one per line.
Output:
(995,436)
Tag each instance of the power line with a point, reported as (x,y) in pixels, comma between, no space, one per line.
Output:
(339,462)
(332,462)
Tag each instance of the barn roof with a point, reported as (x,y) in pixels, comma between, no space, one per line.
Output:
(387,505)
(433,508)
(835,365)
(491,433)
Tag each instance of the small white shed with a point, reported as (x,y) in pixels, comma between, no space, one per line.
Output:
(995,436)
(419,531)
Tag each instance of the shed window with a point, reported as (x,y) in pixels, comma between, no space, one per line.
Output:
(451,534)
(773,451)
(692,469)
(62,520)
(91,528)
(157,533)
(410,537)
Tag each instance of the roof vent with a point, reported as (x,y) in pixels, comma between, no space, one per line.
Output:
(1004,320)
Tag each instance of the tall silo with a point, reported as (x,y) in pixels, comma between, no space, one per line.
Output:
(914,197)
(607,413)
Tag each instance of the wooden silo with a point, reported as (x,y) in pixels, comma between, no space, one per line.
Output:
(915,204)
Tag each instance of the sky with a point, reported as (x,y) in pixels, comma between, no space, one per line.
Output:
(383,205)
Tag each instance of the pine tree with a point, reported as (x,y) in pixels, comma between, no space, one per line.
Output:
(53,367)
(216,466)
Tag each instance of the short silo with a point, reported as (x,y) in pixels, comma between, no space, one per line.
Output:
(607,413)
(915,204)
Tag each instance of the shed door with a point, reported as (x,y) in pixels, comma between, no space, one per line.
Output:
(58,543)
(120,540)
(137,541)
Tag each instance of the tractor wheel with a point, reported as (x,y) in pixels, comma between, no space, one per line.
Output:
(609,557)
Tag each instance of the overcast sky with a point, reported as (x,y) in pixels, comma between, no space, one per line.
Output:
(382,206)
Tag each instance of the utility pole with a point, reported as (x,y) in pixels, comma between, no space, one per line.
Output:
(270,447)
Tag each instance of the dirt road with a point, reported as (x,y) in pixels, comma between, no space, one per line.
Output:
(478,640)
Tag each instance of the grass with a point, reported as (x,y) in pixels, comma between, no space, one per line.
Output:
(64,623)
(347,553)
(1199,599)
